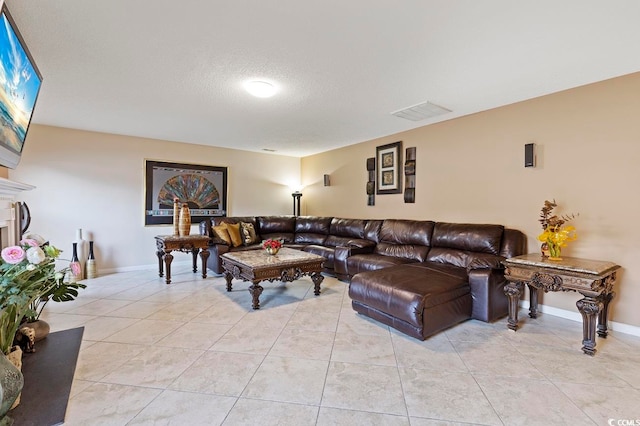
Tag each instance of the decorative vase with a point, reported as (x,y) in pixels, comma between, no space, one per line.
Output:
(91,268)
(176,218)
(82,251)
(185,221)
(272,250)
(41,328)
(544,249)
(11,380)
(554,252)
(73,278)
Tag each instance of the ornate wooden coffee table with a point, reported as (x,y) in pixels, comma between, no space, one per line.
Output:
(286,266)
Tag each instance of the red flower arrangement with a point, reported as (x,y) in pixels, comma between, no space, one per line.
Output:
(272,244)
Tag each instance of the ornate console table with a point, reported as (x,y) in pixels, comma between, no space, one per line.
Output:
(593,279)
(190,244)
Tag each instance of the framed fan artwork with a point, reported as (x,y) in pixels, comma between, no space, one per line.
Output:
(202,188)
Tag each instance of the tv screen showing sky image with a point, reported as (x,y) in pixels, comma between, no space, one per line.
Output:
(20,83)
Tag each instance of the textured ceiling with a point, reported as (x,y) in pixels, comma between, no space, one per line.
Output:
(174,70)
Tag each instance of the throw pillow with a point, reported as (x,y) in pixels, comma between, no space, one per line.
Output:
(234,233)
(248,232)
(222,233)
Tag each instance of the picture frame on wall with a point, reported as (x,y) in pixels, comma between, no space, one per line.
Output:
(389,170)
(203,188)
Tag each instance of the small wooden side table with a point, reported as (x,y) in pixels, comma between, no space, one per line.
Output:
(193,244)
(593,279)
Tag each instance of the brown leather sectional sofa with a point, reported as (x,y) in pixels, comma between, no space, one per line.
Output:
(419,277)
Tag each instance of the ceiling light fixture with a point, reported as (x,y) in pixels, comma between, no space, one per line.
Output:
(260,89)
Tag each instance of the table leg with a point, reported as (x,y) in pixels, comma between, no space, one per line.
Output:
(533,303)
(604,313)
(160,254)
(194,259)
(256,290)
(513,290)
(228,277)
(590,308)
(168,258)
(204,255)
(317,279)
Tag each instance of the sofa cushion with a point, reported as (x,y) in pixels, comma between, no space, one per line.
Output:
(468,237)
(514,243)
(404,291)
(335,241)
(248,233)
(221,234)
(353,228)
(372,230)
(312,224)
(272,224)
(310,239)
(465,259)
(311,230)
(234,233)
(469,246)
(441,268)
(407,239)
(277,228)
(370,262)
(413,232)
(412,252)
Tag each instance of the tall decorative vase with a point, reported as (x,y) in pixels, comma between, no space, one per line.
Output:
(75,277)
(11,382)
(176,218)
(91,268)
(82,251)
(185,221)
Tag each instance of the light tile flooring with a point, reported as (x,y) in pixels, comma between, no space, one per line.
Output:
(191,353)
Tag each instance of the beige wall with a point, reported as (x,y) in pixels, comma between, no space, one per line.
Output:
(471,169)
(95,181)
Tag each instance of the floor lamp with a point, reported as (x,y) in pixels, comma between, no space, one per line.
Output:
(296,202)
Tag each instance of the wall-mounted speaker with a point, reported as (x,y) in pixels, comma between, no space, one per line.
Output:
(529,155)
(327,180)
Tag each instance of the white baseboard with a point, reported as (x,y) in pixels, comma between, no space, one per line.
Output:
(575,316)
(145,267)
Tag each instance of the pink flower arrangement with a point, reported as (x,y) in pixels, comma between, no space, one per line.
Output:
(272,244)
(28,280)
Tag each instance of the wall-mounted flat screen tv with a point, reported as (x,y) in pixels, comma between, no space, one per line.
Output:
(20,83)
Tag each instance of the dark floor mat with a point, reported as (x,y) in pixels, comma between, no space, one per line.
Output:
(48,374)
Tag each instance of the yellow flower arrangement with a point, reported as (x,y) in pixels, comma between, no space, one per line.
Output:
(557,237)
(555,234)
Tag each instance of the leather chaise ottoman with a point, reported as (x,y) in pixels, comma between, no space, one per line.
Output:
(412,298)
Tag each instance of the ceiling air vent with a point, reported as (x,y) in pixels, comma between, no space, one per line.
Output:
(421,111)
